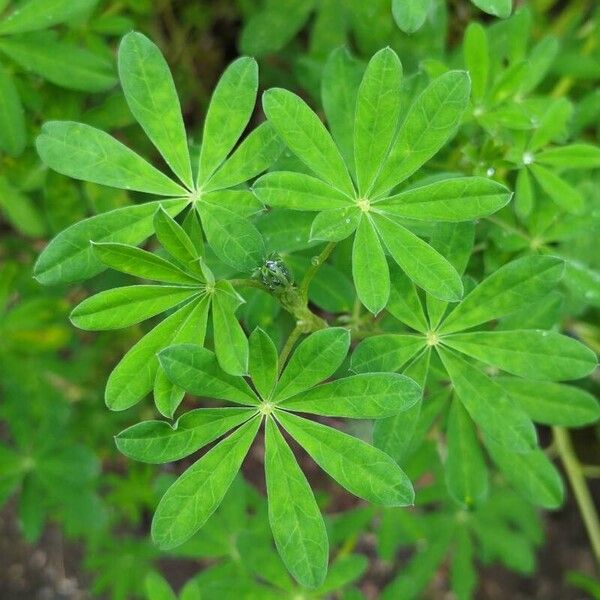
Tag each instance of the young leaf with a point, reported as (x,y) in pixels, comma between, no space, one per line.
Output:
(563,193)
(12,122)
(307,137)
(424,265)
(33,15)
(513,286)
(124,306)
(552,403)
(228,114)
(498,417)
(315,359)
(174,239)
(532,474)
(369,267)
(404,302)
(233,238)
(231,344)
(197,371)
(70,256)
(532,353)
(140,263)
(431,121)
(152,98)
(253,156)
(158,588)
(295,518)
(193,498)
(387,352)
(410,16)
(264,364)
(466,472)
(298,191)
(573,156)
(365,396)
(524,194)
(160,442)
(135,374)
(86,153)
(377,113)
(452,200)
(362,469)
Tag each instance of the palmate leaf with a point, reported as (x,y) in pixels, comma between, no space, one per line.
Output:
(176,241)
(264,362)
(192,499)
(387,352)
(296,522)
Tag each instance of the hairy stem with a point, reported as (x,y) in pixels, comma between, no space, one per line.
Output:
(249,283)
(581,491)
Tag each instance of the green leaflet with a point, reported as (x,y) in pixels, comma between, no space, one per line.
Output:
(228,114)
(295,518)
(175,240)
(70,256)
(255,154)
(535,354)
(316,358)
(140,263)
(335,224)
(477,59)
(573,156)
(42,14)
(498,8)
(513,286)
(465,469)
(193,498)
(152,98)
(552,403)
(231,344)
(431,121)
(197,371)
(234,239)
(498,417)
(135,374)
(404,302)
(157,588)
(563,193)
(20,210)
(339,89)
(298,191)
(83,152)
(307,137)
(364,396)
(387,352)
(524,194)
(124,306)
(263,365)
(43,54)
(377,114)
(424,265)
(410,16)
(12,121)
(362,469)
(463,574)
(452,200)
(159,442)
(532,474)
(369,267)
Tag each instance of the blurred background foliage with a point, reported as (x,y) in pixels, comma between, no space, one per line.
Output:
(76,513)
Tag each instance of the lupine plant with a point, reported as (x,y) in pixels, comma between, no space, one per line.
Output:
(409,303)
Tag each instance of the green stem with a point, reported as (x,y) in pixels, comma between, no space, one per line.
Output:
(288,346)
(582,494)
(316,263)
